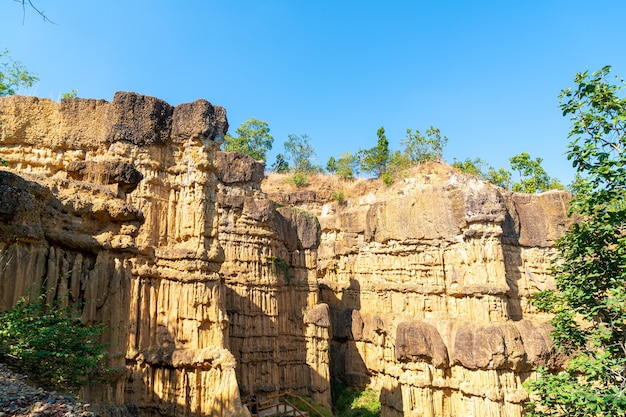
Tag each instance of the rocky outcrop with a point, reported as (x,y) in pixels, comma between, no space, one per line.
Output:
(113,206)
(428,285)
(212,290)
(278,333)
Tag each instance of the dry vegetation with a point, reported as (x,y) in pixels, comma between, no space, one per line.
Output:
(327,187)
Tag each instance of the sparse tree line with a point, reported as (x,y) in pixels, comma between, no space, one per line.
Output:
(253,138)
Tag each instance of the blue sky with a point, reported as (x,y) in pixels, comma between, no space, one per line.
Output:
(486,73)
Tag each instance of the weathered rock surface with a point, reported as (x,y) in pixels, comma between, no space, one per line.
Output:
(113,205)
(428,285)
(271,286)
(212,291)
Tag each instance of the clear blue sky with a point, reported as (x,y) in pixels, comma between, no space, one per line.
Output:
(487,73)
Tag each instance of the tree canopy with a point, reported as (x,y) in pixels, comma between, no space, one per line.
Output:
(301,153)
(13,75)
(253,139)
(589,302)
(533,178)
(375,159)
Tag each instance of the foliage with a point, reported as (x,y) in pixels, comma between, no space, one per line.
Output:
(352,402)
(469,166)
(51,344)
(281,165)
(500,177)
(331,165)
(346,165)
(253,139)
(73,93)
(339,196)
(387,178)
(589,303)
(375,159)
(533,178)
(301,153)
(279,264)
(299,179)
(419,148)
(13,75)
(399,163)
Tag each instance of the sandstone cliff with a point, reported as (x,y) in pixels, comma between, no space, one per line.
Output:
(217,283)
(113,205)
(428,284)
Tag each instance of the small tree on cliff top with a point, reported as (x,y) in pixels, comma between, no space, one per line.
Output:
(589,302)
(253,139)
(375,159)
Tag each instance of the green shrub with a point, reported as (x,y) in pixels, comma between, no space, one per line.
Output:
(51,344)
(299,179)
(387,178)
(339,196)
(353,402)
(279,263)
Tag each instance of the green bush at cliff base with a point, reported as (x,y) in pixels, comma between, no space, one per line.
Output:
(51,345)
(353,402)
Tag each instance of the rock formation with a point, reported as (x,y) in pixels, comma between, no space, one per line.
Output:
(212,290)
(115,207)
(428,286)
(278,333)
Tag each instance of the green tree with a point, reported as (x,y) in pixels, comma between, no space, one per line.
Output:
(399,163)
(300,153)
(471,166)
(375,159)
(13,75)
(253,139)
(281,165)
(419,148)
(346,165)
(73,93)
(500,177)
(533,178)
(589,302)
(331,165)
(51,343)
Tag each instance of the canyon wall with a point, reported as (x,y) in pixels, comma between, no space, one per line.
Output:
(113,206)
(215,288)
(428,284)
(278,334)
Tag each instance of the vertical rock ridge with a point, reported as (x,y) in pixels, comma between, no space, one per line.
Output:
(121,215)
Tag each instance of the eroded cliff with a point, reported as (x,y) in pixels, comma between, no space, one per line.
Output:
(428,284)
(114,205)
(214,287)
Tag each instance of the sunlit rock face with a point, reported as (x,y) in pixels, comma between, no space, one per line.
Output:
(114,205)
(428,285)
(279,333)
(215,289)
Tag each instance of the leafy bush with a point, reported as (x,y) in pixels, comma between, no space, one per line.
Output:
(279,263)
(51,344)
(387,179)
(339,196)
(352,402)
(299,179)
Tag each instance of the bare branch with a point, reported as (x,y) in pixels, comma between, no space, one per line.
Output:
(41,13)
